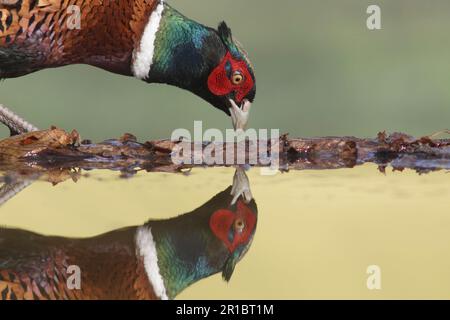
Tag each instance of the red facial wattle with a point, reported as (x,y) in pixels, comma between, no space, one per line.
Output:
(220,84)
(223,220)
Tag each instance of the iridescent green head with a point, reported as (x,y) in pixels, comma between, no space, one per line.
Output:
(211,239)
(208,62)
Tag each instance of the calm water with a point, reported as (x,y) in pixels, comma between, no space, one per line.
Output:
(317,231)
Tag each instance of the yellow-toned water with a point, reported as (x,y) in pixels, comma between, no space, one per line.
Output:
(318,231)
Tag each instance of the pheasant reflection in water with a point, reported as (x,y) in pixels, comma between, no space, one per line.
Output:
(157,260)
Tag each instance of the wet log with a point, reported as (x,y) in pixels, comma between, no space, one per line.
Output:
(55,150)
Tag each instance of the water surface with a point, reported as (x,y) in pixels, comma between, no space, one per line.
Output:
(317,232)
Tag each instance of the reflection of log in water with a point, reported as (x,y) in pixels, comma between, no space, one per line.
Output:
(155,261)
(54,148)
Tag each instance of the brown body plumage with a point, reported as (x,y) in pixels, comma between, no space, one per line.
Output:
(45,33)
(35,267)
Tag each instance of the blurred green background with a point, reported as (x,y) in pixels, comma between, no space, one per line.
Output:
(319,71)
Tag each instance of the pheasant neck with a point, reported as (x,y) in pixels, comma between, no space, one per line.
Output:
(186,252)
(183,50)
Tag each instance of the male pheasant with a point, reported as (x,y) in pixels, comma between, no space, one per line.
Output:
(155,261)
(147,39)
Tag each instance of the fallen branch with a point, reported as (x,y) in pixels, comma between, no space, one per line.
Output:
(55,149)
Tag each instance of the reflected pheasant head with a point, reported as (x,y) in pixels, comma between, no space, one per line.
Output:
(211,239)
(235,228)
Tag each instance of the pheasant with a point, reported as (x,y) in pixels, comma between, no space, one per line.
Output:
(146,39)
(155,261)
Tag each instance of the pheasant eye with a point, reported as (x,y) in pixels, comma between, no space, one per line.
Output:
(239,225)
(237,78)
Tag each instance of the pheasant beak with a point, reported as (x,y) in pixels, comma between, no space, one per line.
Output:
(240,114)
